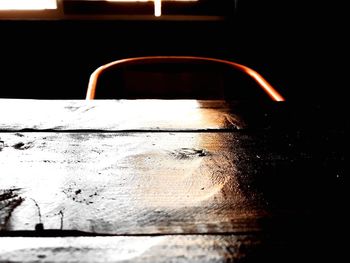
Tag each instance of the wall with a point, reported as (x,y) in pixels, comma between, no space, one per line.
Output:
(293,44)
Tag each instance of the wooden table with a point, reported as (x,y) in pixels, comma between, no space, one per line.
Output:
(169,181)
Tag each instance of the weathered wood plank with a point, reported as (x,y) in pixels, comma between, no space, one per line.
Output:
(287,178)
(132,183)
(130,249)
(149,183)
(296,247)
(167,115)
(116,115)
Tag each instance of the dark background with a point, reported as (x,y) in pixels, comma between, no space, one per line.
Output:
(293,44)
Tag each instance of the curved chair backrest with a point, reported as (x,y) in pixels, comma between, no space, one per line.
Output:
(153,60)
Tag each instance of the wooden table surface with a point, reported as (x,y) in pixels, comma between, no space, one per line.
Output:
(169,181)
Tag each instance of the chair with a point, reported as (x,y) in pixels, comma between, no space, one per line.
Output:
(134,78)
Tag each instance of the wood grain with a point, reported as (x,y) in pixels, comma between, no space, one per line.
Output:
(230,183)
(162,115)
(190,248)
(159,183)
(116,115)
(131,183)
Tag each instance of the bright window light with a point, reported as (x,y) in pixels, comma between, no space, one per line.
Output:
(27,4)
(157,4)
(157,8)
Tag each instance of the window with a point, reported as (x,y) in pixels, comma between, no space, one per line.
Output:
(117,9)
(27,4)
(157,4)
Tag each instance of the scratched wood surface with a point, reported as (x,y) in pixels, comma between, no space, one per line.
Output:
(190,248)
(163,115)
(129,183)
(175,248)
(169,115)
(116,115)
(219,188)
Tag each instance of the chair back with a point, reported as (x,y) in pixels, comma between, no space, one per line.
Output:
(178,77)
